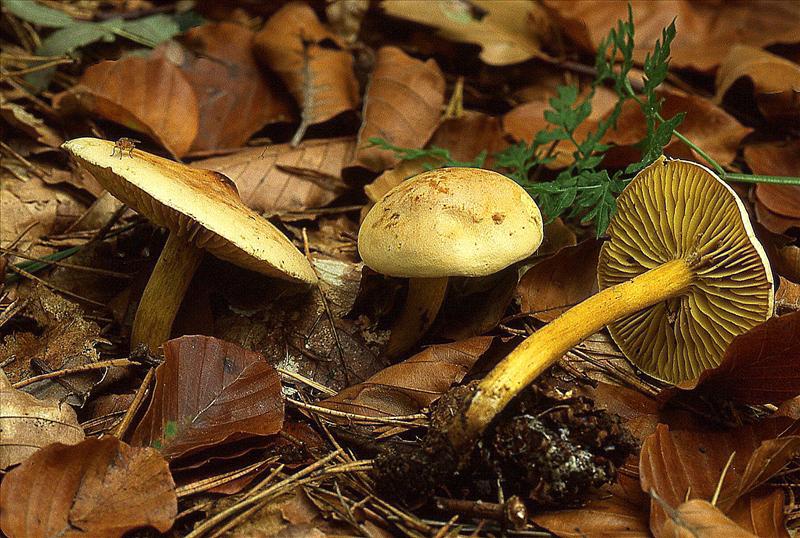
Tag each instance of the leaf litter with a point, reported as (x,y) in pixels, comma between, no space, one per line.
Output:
(273,403)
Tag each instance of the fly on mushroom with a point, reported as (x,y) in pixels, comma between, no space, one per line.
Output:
(125,144)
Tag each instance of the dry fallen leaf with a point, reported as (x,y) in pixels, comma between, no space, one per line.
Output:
(281,178)
(308,58)
(607,518)
(402,105)
(235,96)
(28,424)
(700,519)
(100,488)
(761,513)
(207,391)
(151,96)
(508,32)
(16,116)
(706,30)
(775,80)
(777,206)
(407,387)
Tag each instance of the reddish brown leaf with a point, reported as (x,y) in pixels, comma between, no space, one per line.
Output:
(760,366)
(560,281)
(640,413)
(777,206)
(700,519)
(402,105)
(407,387)
(151,96)
(99,488)
(207,391)
(235,96)
(607,518)
(282,178)
(295,45)
(761,513)
(706,30)
(790,408)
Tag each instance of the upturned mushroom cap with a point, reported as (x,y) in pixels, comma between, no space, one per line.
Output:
(681,210)
(450,222)
(201,206)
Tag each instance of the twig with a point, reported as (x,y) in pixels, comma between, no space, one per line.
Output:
(206,484)
(310,382)
(33,69)
(404,420)
(68,293)
(75,370)
(119,433)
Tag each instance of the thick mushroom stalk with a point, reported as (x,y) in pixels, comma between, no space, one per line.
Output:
(423,301)
(681,275)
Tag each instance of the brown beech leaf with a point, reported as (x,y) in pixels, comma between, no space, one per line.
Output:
(207,391)
(16,116)
(760,366)
(506,31)
(28,424)
(705,124)
(606,518)
(790,408)
(309,60)
(776,81)
(560,281)
(761,513)
(281,178)
(402,105)
(706,30)
(151,96)
(98,488)
(700,519)
(407,387)
(235,96)
(777,206)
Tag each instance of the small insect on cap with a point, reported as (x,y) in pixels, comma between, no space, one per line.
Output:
(681,210)
(450,222)
(201,206)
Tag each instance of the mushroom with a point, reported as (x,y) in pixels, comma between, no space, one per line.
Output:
(442,223)
(202,210)
(681,275)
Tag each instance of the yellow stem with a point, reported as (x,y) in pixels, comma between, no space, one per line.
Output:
(424,299)
(164,292)
(547,345)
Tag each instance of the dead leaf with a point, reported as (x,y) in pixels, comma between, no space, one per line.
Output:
(308,58)
(776,81)
(235,96)
(507,31)
(561,280)
(790,408)
(773,158)
(407,387)
(151,96)
(16,116)
(207,391)
(639,412)
(281,178)
(761,513)
(706,30)
(759,366)
(402,105)
(606,518)
(777,206)
(99,488)
(345,17)
(700,519)
(28,424)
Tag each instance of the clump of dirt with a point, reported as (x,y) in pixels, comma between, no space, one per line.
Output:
(547,447)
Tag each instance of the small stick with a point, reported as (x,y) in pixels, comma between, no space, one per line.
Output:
(135,404)
(405,420)
(26,274)
(512,512)
(74,370)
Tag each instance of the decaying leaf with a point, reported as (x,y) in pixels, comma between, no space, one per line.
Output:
(235,96)
(776,81)
(508,32)
(16,116)
(308,58)
(700,519)
(207,391)
(151,96)
(281,178)
(402,105)
(607,518)
(28,424)
(761,513)
(706,30)
(97,488)
(407,387)
(777,206)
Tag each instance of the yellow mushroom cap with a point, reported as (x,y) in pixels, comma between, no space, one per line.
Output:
(200,206)
(450,222)
(681,210)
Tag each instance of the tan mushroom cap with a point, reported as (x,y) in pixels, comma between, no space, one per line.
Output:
(450,222)
(681,210)
(200,206)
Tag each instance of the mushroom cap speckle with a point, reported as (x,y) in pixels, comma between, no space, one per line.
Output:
(450,222)
(201,206)
(677,209)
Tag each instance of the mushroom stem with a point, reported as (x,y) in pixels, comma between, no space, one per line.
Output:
(164,292)
(547,345)
(424,299)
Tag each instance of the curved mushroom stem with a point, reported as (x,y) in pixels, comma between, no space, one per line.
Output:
(424,299)
(547,345)
(164,292)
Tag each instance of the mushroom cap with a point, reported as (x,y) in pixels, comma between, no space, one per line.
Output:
(201,206)
(450,222)
(677,209)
